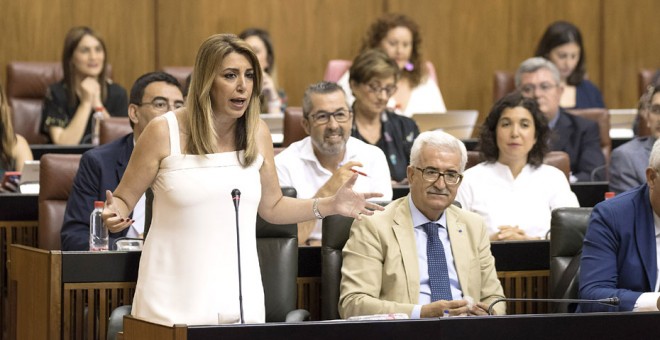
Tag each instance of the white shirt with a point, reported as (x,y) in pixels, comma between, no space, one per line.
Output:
(526,201)
(424,98)
(421,239)
(298,167)
(648,302)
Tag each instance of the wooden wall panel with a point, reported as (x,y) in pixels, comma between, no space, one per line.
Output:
(306,34)
(35,30)
(466,40)
(630,40)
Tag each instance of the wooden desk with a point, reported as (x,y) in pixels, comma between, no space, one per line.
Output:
(67,295)
(551,326)
(39,150)
(18,225)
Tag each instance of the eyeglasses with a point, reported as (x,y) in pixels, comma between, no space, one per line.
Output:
(162,105)
(375,88)
(655,109)
(432,175)
(529,89)
(323,117)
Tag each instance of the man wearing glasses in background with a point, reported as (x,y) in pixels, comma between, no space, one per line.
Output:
(422,255)
(101,168)
(319,164)
(539,78)
(630,160)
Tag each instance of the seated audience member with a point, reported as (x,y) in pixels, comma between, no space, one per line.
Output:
(320,163)
(102,168)
(271,96)
(562,44)
(373,81)
(538,78)
(422,255)
(619,255)
(14,149)
(629,161)
(399,36)
(513,190)
(85,89)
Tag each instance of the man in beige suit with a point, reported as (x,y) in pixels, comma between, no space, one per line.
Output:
(385,268)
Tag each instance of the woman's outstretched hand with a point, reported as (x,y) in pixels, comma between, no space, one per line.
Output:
(353,204)
(112,218)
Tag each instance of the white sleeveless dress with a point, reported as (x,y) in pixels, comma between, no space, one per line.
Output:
(188,271)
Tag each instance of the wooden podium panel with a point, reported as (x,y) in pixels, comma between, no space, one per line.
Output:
(551,326)
(67,295)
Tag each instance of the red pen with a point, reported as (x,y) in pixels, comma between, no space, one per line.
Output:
(359,172)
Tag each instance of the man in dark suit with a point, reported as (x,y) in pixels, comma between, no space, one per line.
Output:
(629,161)
(101,168)
(579,137)
(619,255)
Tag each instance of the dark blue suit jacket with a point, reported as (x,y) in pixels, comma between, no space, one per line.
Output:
(100,169)
(618,255)
(580,139)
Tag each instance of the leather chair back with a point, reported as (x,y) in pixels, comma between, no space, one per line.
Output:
(644,79)
(181,73)
(277,246)
(567,230)
(27,83)
(337,67)
(113,128)
(292,130)
(335,230)
(56,173)
(558,159)
(602,117)
(503,83)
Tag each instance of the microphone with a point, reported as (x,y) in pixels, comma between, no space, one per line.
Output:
(613,301)
(236,197)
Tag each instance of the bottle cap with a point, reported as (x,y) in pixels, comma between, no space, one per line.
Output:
(98,204)
(609,194)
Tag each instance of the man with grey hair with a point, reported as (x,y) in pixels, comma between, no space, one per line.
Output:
(422,255)
(319,164)
(620,251)
(539,78)
(629,161)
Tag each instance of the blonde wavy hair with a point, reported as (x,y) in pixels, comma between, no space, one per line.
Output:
(202,136)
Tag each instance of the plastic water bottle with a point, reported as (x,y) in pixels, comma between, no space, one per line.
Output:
(97,117)
(98,233)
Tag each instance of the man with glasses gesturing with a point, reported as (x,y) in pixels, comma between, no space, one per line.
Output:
(101,168)
(539,78)
(422,255)
(319,164)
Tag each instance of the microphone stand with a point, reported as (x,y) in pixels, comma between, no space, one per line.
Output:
(613,301)
(236,197)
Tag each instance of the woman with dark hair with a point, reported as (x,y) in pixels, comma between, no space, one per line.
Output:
(262,46)
(14,149)
(373,81)
(400,38)
(214,144)
(513,190)
(85,89)
(562,44)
